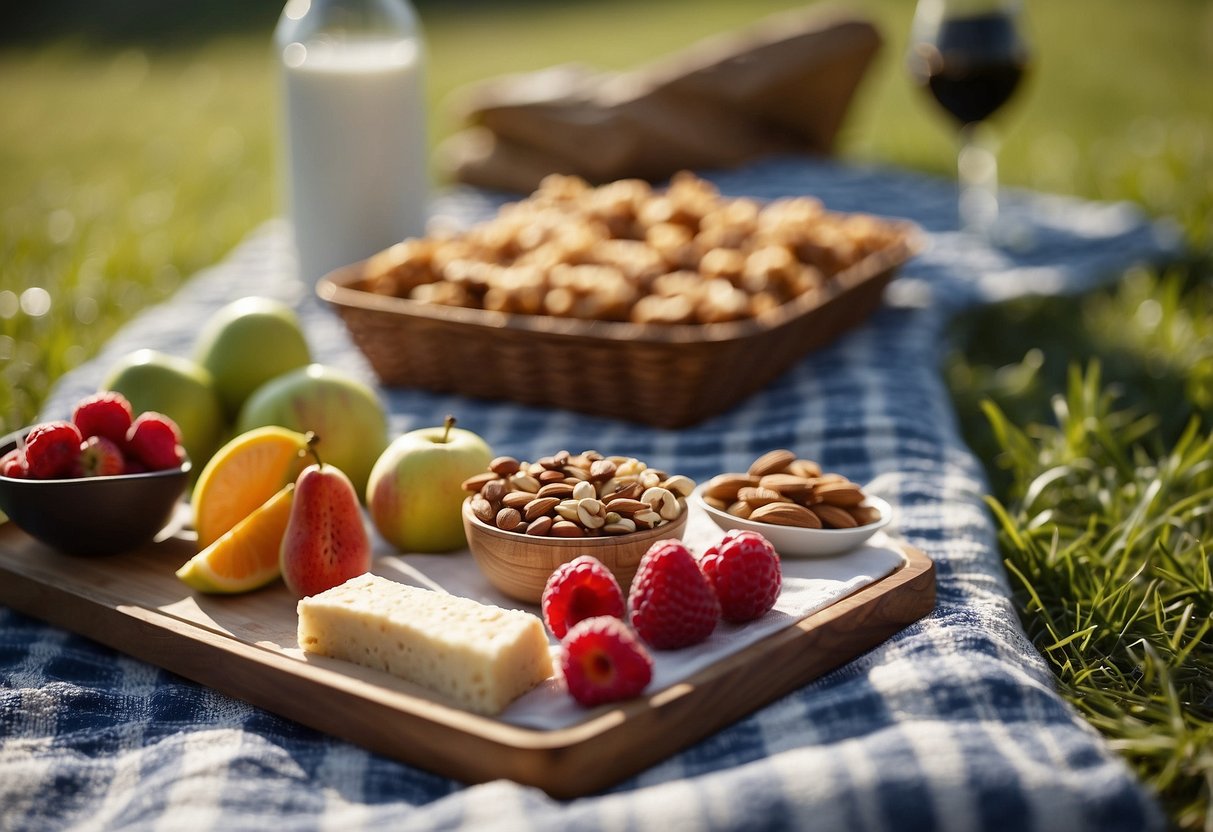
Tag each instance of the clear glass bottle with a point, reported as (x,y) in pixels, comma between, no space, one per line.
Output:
(353,128)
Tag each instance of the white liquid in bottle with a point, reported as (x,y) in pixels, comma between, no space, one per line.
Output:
(355,142)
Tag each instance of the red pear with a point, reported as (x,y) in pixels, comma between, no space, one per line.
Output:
(326,542)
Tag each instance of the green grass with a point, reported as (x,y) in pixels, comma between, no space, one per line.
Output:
(139,152)
(1108,545)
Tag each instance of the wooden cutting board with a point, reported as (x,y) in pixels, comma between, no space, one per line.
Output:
(245,646)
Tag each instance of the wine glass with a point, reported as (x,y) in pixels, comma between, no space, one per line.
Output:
(971,56)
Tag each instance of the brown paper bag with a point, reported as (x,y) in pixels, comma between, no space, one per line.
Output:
(781,86)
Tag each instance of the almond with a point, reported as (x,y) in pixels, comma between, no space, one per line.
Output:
(474,484)
(517,499)
(540,526)
(804,468)
(788,485)
(865,514)
(494,490)
(740,509)
(538,507)
(572,472)
(758,496)
(726,486)
(566,528)
(524,482)
(631,490)
(772,462)
(626,505)
(844,494)
(834,517)
(504,466)
(560,490)
(587,458)
(601,470)
(786,514)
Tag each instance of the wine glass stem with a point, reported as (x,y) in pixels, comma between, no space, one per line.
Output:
(977,175)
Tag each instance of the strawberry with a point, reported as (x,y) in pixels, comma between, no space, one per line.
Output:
(672,603)
(100,457)
(155,440)
(603,662)
(580,589)
(12,464)
(743,569)
(134,466)
(51,449)
(107,414)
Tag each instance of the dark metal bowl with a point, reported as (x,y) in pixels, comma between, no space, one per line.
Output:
(92,515)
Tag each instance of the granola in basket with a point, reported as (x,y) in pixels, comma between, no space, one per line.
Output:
(628,252)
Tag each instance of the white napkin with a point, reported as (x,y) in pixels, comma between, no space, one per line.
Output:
(809,585)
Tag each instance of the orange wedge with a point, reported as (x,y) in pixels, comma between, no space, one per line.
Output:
(245,472)
(245,557)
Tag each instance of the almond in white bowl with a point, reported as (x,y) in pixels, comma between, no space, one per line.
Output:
(802,510)
(798,541)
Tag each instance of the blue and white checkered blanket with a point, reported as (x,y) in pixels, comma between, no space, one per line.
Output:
(953,724)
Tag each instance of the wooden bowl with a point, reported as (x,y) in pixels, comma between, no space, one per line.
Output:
(519,565)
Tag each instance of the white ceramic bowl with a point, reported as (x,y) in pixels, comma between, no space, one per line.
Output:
(795,542)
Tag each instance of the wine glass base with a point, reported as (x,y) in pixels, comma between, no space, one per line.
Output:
(997,229)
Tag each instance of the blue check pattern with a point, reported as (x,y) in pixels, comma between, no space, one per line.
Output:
(954,724)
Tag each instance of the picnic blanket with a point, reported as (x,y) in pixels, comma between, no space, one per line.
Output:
(952,724)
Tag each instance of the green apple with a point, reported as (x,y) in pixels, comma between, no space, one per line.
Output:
(180,389)
(415,494)
(345,414)
(247,343)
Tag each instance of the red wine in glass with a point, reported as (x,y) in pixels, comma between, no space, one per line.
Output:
(971,56)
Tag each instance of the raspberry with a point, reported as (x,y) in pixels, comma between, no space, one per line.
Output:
(155,441)
(603,662)
(577,590)
(12,464)
(100,457)
(51,449)
(672,603)
(743,569)
(106,414)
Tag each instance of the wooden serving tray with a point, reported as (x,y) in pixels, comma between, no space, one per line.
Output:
(245,646)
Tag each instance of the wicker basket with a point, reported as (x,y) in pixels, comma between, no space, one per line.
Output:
(662,375)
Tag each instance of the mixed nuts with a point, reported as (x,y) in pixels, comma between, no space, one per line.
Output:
(577,495)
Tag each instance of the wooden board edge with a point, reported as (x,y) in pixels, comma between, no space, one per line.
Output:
(568,762)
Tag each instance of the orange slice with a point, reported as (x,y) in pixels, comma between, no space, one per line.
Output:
(245,557)
(244,473)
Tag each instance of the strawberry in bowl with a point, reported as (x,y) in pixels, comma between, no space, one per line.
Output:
(105,481)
